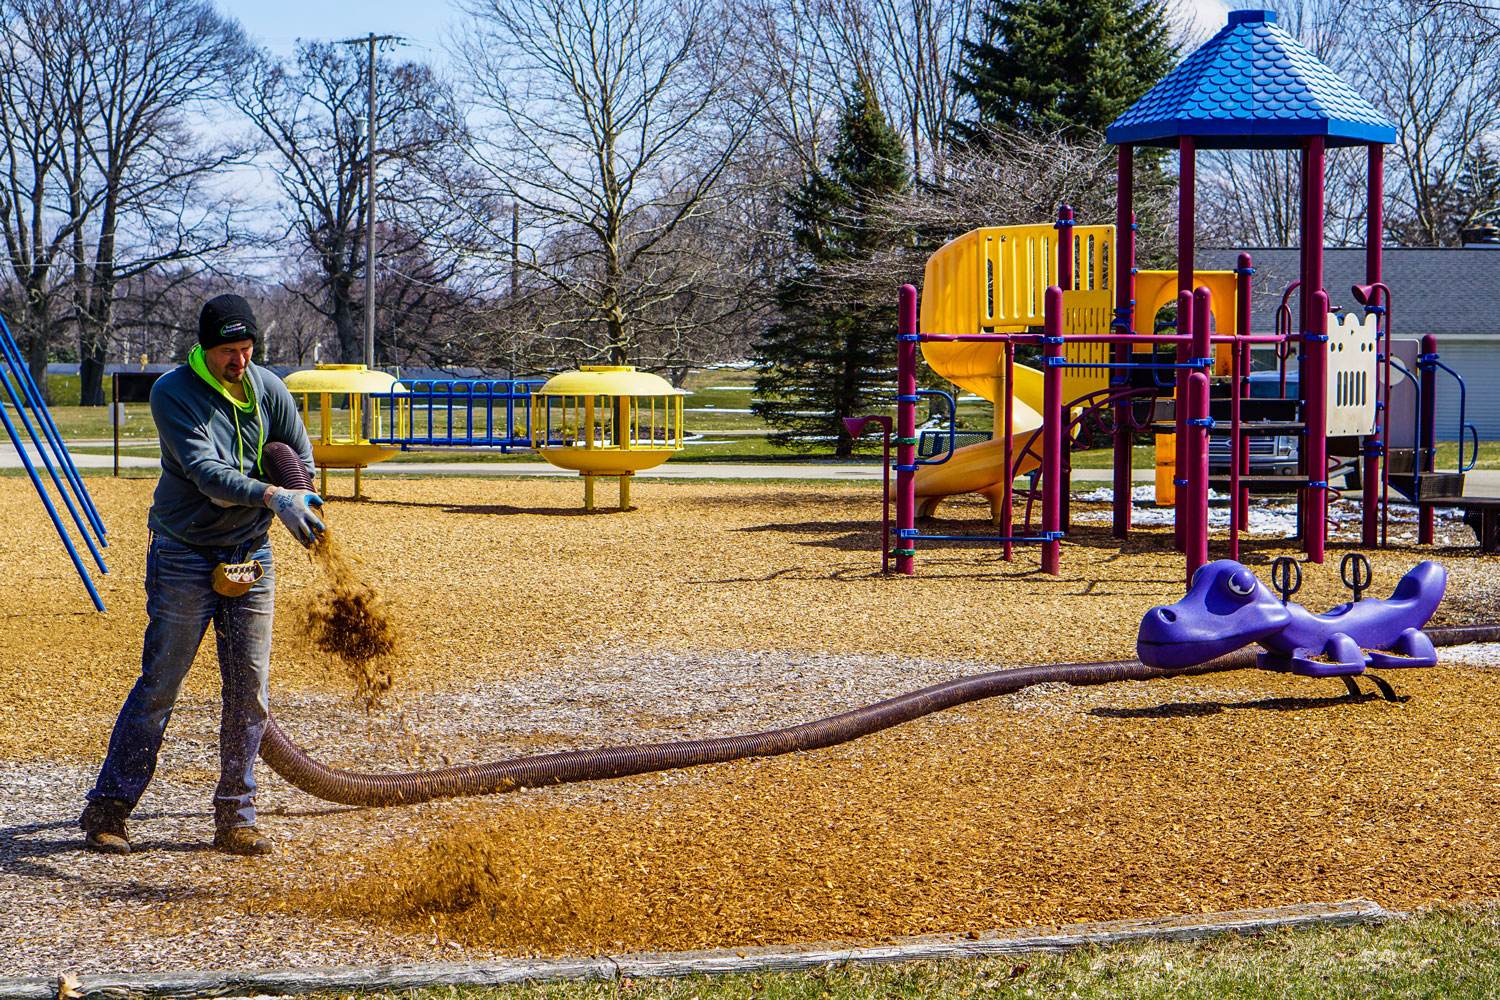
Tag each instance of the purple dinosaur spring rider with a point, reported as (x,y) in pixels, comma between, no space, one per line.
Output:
(1227,607)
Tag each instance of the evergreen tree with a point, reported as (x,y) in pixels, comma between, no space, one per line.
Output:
(1479,191)
(1049,65)
(828,358)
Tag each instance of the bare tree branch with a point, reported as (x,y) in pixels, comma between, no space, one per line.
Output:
(610,125)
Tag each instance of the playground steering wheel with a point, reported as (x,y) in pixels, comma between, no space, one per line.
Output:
(1354,570)
(1286,577)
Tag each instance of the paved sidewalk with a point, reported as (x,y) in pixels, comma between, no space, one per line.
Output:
(671,470)
(1478,482)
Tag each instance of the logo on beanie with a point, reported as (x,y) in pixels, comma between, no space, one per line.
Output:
(224,320)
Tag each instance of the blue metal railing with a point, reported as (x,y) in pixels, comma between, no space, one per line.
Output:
(1426,450)
(21,394)
(952,426)
(1463,425)
(456,413)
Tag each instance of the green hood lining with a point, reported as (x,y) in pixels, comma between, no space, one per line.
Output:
(250,405)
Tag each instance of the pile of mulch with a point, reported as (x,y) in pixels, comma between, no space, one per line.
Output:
(1149,799)
(514,608)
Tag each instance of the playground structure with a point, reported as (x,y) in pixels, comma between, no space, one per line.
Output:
(1074,292)
(606,421)
(23,397)
(1227,607)
(353,448)
(599,421)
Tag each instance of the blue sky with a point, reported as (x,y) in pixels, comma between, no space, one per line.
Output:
(276,24)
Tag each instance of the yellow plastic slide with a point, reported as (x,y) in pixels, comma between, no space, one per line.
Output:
(980,468)
(995,280)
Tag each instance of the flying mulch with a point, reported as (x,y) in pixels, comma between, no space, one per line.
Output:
(346,617)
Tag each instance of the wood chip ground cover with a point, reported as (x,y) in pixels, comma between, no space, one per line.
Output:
(526,626)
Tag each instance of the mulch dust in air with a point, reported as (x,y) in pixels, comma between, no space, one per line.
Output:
(347,617)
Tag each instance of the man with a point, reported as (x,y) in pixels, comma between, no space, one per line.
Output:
(209,520)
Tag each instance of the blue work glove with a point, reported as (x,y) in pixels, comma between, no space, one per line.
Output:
(295,509)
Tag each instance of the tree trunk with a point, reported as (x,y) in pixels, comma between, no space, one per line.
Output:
(616,327)
(347,325)
(33,345)
(36,360)
(91,361)
(848,398)
(96,317)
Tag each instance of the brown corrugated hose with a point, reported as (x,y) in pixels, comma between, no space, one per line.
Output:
(364,789)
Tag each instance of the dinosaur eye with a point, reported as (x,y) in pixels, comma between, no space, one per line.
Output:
(1241,584)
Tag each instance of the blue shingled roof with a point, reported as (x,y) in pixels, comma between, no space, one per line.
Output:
(1251,86)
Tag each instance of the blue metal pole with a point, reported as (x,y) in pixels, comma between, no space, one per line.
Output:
(10,428)
(53,435)
(41,450)
(49,428)
(489,415)
(510,413)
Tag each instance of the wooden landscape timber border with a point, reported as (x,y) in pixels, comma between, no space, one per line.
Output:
(1051,939)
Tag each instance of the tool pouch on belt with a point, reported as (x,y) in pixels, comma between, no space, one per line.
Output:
(236,579)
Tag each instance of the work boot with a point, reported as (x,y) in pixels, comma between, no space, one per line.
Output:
(243,840)
(103,825)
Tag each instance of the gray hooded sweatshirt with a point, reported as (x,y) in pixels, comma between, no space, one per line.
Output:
(212,488)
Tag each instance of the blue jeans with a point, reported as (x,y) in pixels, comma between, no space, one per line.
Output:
(181,601)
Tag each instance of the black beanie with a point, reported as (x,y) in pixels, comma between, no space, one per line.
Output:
(225,319)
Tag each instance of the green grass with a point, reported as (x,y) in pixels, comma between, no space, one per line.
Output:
(1455,956)
(737,437)
(1489,455)
(63,390)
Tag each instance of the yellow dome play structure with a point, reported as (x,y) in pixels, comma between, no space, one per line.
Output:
(338,438)
(606,420)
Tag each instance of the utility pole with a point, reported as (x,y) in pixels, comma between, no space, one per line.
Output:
(370,41)
(515,251)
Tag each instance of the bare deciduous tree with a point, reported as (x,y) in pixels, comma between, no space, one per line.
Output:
(35,65)
(307,114)
(610,125)
(138,159)
(1437,76)
(804,56)
(1011,177)
(908,50)
(793,76)
(292,329)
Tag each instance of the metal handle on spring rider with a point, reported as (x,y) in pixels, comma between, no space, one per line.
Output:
(1286,577)
(1354,570)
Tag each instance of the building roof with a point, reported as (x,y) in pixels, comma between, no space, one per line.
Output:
(113,368)
(1251,86)
(408,373)
(1444,292)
